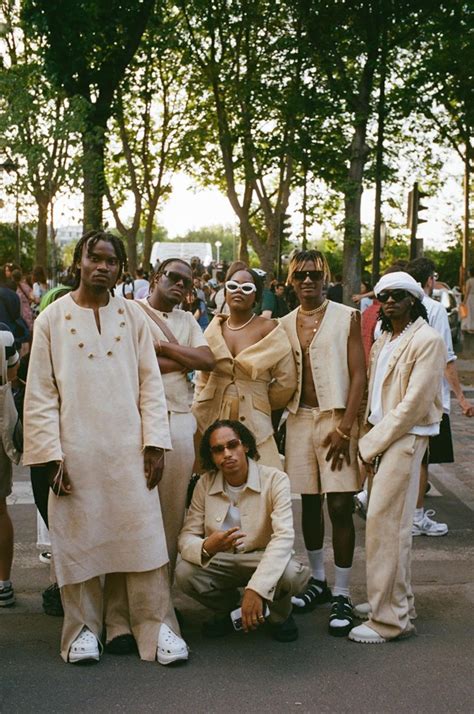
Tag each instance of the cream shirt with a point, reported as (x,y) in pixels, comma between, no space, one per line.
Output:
(188,333)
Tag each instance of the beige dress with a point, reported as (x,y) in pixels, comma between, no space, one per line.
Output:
(95,400)
(247,387)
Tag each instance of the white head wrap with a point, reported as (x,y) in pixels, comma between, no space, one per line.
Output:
(399,281)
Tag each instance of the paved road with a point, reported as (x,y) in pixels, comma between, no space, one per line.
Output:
(430,673)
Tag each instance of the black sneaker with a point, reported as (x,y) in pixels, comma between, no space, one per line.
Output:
(52,604)
(341,618)
(286,631)
(316,593)
(7,596)
(219,626)
(122,645)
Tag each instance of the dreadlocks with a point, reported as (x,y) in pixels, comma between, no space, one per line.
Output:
(91,238)
(417,310)
(299,258)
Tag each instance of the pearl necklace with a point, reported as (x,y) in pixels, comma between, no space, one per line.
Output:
(234,329)
(404,330)
(322,307)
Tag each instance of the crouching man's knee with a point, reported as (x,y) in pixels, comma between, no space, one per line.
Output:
(294,578)
(185,575)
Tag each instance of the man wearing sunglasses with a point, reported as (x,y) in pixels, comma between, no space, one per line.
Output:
(180,348)
(403,410)
(440,449)
(321,437)
(239,534)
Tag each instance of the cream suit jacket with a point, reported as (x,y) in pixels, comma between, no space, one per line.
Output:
(266,519)
(411,391)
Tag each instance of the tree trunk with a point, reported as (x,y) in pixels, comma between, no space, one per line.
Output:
(243,247)
(41,248)
(131,239)
(377,249)
(93,150)
(352,201)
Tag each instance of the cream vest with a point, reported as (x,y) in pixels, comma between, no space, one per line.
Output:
(328,356)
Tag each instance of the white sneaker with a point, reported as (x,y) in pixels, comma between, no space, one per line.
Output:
(85,647)
(171,648)
(429,527)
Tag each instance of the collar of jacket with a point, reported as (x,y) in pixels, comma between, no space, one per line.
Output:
(253,480)
(405,339)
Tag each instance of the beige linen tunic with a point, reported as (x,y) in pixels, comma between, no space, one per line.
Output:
(95,399)
(247,387)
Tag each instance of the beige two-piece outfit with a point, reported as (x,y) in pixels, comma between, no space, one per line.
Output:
(247,387)
(178,462)
(93,401)
(408,405)
(265,563)
(308,427)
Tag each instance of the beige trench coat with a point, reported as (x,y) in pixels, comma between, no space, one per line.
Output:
(263,377)
(95,400)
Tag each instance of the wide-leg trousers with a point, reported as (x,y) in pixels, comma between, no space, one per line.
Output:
(390,513)
(126,603)
(216,585)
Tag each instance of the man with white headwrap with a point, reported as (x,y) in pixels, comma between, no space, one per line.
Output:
(403,409)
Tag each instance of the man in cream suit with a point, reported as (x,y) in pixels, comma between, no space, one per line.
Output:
(404,409)
(239,533)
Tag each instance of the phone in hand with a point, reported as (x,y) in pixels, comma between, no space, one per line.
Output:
(236,616)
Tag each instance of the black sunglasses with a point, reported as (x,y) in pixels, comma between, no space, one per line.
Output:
(313,275)
(396,295)
(177,277)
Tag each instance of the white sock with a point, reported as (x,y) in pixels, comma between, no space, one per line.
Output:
(341,581)
(419,513)
(316,563)
(5,583)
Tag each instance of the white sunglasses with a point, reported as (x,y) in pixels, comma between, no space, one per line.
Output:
(247,288)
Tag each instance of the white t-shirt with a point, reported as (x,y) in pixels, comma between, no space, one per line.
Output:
(376,408)
(438,320)
(232,519)
(140,283)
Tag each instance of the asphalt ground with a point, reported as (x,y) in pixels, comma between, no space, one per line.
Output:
(252,673)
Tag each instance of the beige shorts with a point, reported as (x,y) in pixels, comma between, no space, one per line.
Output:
(306,463)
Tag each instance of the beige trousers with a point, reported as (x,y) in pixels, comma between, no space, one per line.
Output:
(127,603)
(216,585)
(173,486)
(388,537)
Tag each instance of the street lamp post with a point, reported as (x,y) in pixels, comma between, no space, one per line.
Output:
(218,246)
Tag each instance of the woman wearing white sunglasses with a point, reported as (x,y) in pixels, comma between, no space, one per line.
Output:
(255,371)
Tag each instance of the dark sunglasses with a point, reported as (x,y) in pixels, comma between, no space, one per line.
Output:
(231,445)
(396,295)
(313,275)
(177,277)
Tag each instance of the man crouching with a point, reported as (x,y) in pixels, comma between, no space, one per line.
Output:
(239,533)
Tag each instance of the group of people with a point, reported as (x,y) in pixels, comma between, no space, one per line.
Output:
(109,425)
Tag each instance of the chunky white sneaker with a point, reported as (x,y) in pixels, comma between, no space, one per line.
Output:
(429,527)
(171,648)
(85,647)
(367,636)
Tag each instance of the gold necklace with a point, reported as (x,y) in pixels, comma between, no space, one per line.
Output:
(322,307)
(241,326)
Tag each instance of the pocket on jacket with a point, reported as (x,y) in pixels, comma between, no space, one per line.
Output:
(262,405)
(206,394)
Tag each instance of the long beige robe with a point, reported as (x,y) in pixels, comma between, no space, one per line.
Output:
(95,400)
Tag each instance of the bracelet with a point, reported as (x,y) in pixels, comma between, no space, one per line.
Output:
(341,434)
(204,551)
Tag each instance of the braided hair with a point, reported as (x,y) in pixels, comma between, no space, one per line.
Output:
(91,238)
(417,310)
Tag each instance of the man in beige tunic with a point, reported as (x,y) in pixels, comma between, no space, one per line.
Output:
(180,347)
(95,417)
